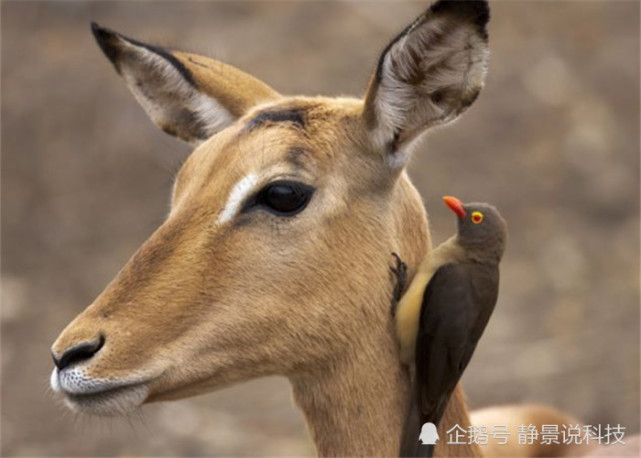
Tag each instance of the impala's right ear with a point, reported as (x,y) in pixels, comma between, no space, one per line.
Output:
(189,96)
(428,75)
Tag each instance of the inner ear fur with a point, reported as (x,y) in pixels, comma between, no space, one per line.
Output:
(187,95)
(428,75)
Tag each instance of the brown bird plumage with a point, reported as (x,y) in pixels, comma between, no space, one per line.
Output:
(456,305)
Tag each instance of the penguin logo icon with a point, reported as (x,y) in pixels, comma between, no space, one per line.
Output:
(428,436)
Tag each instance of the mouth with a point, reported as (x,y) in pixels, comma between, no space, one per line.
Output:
(110,402)
(83,394)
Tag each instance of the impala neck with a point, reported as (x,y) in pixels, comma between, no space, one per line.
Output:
(357,406)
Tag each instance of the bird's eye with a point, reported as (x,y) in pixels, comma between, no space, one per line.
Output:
(284,198)
(477,217)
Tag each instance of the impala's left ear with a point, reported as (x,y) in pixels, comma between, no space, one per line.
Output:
(428,75)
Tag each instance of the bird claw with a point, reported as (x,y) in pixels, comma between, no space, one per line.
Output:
(400,273)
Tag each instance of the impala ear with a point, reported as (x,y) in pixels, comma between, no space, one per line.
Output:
(189,96)
(427,75)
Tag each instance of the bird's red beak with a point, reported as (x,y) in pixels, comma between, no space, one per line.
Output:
(455,205)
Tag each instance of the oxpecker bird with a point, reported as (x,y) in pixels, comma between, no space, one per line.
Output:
(443,314)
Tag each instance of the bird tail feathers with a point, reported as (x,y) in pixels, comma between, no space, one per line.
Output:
(411,446)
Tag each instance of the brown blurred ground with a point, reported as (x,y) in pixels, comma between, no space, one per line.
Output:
(553,141)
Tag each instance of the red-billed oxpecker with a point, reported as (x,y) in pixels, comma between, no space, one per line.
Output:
(443,314)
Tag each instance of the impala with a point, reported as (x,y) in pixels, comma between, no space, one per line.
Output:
(275,256)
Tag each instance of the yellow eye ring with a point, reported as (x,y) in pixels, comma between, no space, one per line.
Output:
(477,217)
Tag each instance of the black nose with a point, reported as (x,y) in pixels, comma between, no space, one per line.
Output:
(78,353)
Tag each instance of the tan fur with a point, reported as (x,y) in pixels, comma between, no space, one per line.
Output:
(234,89)
(207,301)
(199,306)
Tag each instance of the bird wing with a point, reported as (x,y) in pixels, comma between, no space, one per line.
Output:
(457,304)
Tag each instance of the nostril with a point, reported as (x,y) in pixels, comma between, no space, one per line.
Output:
(78,353)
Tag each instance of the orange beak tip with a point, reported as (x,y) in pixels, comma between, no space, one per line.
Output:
(455,205)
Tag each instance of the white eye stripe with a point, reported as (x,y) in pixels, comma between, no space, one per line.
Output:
(237,196)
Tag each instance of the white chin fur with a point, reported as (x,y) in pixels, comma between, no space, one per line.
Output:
(118,401)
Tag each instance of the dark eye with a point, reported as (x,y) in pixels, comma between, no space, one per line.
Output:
(284,198)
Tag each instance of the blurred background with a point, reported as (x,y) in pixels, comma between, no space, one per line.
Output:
(553,141)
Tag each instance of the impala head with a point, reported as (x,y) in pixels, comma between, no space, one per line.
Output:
(274,258)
